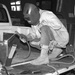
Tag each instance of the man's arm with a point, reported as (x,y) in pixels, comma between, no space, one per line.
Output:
(29,33)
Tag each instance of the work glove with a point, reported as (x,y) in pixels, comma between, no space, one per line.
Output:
(52,44)
(22,37)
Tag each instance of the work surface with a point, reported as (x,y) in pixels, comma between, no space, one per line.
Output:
(28,69)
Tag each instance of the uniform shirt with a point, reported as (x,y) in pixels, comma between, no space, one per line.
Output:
(50,19)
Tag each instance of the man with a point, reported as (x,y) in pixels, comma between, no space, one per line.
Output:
(47,33)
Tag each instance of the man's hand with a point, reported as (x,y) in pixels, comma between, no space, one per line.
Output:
(22,37)
(52,44)
(23,40)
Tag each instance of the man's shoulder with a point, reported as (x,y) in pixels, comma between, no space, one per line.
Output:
(43,12)
(46,14)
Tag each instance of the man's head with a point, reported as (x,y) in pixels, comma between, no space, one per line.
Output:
(31,13)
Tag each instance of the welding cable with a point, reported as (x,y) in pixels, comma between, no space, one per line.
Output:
(56,60)
(29,53)
(53,68)
(61,62)
(10,37)
(27,42)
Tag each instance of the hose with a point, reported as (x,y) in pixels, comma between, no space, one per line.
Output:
(53,69)
(61,62)
(29,50)
(24,37)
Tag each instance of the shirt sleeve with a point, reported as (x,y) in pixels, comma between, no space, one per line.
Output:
(34,32)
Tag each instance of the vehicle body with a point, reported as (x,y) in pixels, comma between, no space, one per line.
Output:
(6,22)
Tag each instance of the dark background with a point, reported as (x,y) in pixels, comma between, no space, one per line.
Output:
(67,7)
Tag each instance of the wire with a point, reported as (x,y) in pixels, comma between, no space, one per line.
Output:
(29,53)
(16,33)
(56,60)
(25,42)
(61,62)
(53,68)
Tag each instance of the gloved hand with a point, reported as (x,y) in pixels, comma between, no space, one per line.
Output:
(52,44)
(22,37)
